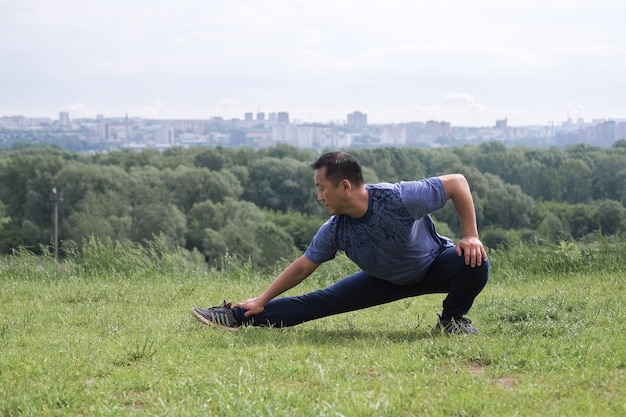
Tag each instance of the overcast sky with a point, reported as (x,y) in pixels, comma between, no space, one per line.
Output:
(469,62)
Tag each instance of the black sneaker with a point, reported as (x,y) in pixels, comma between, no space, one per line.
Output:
(221,316)
(455,325)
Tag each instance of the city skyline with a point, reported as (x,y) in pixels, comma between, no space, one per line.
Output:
(468,63)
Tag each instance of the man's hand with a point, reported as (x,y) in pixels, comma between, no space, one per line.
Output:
(289,278)
(473,249)
(252,306)
(470,246)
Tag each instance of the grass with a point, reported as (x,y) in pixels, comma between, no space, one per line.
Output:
(109,333)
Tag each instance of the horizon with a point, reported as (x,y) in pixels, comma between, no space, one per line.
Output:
(341,121)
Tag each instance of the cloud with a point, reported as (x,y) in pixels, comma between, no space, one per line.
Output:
(462,99)
(78,110)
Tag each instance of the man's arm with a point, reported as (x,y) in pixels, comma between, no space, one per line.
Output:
(294,274)
(458,190)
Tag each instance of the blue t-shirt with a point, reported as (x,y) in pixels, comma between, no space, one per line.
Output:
(395,240)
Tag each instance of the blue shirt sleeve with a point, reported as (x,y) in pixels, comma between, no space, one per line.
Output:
(323,246)
(423,197)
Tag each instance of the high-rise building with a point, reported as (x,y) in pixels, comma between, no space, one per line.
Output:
(64,118)
(189,125)
(620,131)
(164,135)
(283,117)
(357,119)
(104,130)
(237,137)
(393,134)
(437,129)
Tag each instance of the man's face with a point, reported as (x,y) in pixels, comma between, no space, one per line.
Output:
(332,196)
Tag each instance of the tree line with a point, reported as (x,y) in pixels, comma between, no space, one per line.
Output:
(261,205)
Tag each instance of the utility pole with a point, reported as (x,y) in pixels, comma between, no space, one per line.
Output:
(56,198)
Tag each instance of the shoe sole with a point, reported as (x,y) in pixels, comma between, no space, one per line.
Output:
(212,323)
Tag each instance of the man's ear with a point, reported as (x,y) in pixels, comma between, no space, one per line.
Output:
(345,184)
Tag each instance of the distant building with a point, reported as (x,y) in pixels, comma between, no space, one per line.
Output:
(620,131)
(605,133)
(164,135)
(357,119)
(283,117)
(104,130)
(248,117)
(189,125)
(437,129)
(237,137)
(601,134)
(64,118)
(393,135)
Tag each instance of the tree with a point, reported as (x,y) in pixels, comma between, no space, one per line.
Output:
(214,248)
(239,231)
(106,215)
(579,219)
(203,216)
(152,219)
(210,158)
(498,238)
(607,177)
(26,180)
(439,161)
(576,180)
(32,235)
(610,215)
(283,151)
(506,205)
(147,184)
(245,234)
(552,229)
(175,156)
(275,244)
(77,180)
(191,185)
(300,227)
(281,184)
(496,158)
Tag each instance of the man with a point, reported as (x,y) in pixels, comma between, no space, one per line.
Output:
(387,231)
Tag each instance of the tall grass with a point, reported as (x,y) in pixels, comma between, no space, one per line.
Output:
(106,331)
(606,256)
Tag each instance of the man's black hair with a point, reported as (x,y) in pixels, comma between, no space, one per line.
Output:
(339,166)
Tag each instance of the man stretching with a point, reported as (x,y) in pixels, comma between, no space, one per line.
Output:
(387,231)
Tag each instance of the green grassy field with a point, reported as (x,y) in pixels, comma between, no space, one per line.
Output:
(109,333)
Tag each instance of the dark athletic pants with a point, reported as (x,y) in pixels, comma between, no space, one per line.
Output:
(448,274)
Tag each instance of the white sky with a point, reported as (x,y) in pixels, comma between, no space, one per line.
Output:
(468,62)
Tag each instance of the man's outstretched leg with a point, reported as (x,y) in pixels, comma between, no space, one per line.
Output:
(354,292)
(449,274)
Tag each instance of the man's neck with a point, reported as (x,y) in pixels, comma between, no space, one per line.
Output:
(360,203)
